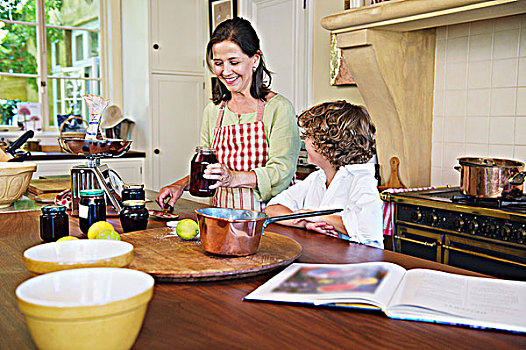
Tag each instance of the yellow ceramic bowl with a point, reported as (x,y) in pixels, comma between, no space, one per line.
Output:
(96,308)
(65,255)
(14,180)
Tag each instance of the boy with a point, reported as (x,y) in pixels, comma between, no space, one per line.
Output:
(339,138)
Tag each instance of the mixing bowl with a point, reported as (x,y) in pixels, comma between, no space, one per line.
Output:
(95,308)
(55,256)
(14,180)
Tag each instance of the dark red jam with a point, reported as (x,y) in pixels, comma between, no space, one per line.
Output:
(199,186)
(92,208)
(54,223)
(133,192)
(134,216)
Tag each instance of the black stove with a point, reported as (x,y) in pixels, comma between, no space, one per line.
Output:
(442,224)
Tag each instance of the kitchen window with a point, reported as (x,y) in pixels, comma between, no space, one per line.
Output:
(51,55)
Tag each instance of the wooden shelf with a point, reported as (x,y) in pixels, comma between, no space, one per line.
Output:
(409,15)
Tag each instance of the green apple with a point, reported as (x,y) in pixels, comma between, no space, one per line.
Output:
(187,229)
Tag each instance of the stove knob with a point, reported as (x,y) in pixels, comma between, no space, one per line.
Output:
(432,219)
(520,234)
(473,226)
(458,223)
(416,216)
(505,232)
(489,229)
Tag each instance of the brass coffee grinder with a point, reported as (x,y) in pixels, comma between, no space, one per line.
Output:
(93,174)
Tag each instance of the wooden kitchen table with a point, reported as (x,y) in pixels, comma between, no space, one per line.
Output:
(212,315)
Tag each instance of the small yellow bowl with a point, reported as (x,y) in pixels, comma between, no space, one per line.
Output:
(65,255)
(95,308)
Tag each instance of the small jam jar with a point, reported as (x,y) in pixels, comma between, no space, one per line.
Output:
(134,216)
(54,223)
(199,186)
(133,192)
(92,208)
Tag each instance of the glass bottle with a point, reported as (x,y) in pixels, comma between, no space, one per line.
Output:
(199,186)
(54,223)
(92,208)
(134,216)
(133,192)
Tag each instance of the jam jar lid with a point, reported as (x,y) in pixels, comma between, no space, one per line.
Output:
(203,149)
(53,209)
(93,192)
(133,186)
(133,203)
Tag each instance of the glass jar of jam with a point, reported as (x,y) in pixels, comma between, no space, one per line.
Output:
(92,208)
(134,216)
(133,192)
(54,223)
(199,186)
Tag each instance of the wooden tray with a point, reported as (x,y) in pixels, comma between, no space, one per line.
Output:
(170,259)
(40,186)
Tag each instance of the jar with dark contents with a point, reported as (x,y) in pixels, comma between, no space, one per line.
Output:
(133,192)
(199,186)
(54,223)
(134,216)
(92,208)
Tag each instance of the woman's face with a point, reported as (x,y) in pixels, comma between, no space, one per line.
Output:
(233,67)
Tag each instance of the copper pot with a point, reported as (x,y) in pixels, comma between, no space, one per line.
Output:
(491,177)
(236,232)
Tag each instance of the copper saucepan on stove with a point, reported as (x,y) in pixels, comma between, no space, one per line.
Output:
(491,177)
(238,232)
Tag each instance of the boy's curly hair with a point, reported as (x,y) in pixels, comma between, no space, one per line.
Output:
(340,131)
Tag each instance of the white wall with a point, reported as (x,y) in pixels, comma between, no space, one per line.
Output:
(480,94)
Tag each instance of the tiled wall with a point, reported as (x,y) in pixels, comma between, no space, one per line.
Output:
(480,94)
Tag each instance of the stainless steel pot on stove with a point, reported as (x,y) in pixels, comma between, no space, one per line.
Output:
(491,177)
(237,232)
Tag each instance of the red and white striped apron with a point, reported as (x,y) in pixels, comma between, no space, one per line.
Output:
(241,147)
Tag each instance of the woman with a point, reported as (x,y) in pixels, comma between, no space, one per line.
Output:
(252,129)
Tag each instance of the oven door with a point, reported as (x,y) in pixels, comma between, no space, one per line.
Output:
(418,242)
(487,258)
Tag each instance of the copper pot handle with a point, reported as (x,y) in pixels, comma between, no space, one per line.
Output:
(517,179)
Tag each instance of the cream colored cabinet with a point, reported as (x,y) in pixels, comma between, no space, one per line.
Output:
(131,170)
(177,34)
(177,107)
(284,28)
(177,85)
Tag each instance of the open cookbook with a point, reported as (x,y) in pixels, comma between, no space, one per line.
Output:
(417,294)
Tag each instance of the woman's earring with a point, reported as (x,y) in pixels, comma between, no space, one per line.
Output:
(254,68)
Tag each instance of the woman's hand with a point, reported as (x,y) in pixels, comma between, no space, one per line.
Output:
(221,173)
(173,191)
(229,178)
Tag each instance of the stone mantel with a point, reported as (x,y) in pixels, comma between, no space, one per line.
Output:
(390,51)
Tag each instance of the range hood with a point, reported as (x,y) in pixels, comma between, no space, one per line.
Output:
(390,51)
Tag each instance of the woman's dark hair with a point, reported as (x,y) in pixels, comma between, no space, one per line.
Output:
(340,131)
(239,31)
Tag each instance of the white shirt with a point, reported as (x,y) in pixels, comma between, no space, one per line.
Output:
(353,189)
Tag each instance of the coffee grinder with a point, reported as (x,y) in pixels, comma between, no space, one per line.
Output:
(93,174)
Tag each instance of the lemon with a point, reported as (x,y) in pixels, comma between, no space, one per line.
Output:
(94,229)
(187,229)
(108,234)
(67,238)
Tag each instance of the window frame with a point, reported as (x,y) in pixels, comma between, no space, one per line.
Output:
(110,78)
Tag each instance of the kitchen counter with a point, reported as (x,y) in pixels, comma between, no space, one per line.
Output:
(212,315)
(62,155)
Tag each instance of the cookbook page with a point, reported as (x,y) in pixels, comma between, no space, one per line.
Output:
(429,292)
(319,284)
